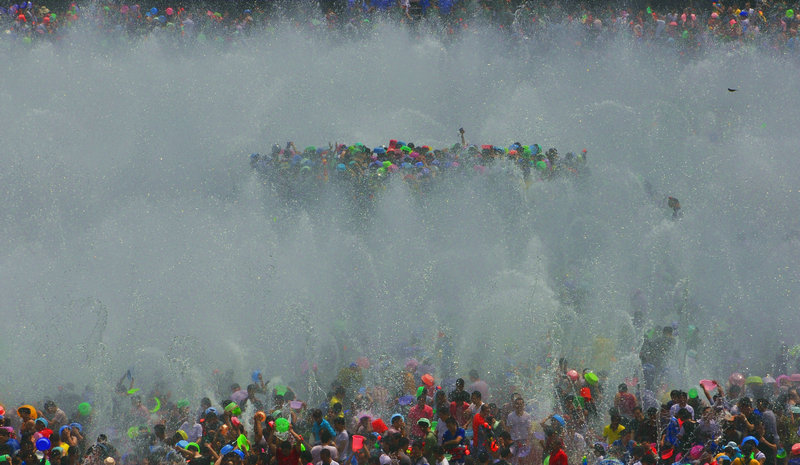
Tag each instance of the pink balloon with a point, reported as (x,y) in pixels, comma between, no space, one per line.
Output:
(169,11)
(573,375)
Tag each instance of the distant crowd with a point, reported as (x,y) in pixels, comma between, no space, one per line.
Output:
(771,27)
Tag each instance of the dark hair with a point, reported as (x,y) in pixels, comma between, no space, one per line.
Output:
(325,452)
(505,452)
(338,421)
(477,394)
(325,435)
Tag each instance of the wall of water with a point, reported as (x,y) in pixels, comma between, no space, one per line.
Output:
(133,232)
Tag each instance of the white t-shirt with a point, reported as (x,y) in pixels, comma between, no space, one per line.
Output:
(341,440)
(519,426)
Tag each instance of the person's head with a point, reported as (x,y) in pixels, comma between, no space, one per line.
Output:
(316,415)
(637,413)
(424,425)
(505,453)
(325,455)
(338,424)
(473,375)
(483,457)
(25,413)
(683,398)
(667,331)
(749,445)
(519,405)
(476,397)
(683,414)
(763,404)
(50,407)
(452,425)
(652,413)
(402,443)
(622,388)
(235,387)
(615,419)
(397,421)
(460,384)
(325,436)
(745,405)
(421,400)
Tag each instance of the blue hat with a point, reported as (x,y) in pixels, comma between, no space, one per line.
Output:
(239,453)
(211,410)
(396,415)
(61,430)
(226,449)
(43,420)
(560,419)
(183,444)
(749,438)
(77,425)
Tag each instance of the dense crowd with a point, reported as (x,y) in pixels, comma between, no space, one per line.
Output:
(369,169)
(383,414)
(769,26)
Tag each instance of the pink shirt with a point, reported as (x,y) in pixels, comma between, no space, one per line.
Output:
(415,414)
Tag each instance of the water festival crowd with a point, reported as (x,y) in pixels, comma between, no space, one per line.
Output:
(769,26)
(404,411)
(368,169)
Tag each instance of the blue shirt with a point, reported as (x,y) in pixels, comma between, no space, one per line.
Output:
(317,427)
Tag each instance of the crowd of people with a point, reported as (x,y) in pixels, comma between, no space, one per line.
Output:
(771,26)
(407,418)
(369,169)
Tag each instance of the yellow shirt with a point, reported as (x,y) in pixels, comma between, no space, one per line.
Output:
(612,435)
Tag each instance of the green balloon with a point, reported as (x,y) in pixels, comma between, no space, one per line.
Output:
(591,378)
(692,393)
(84,408)
(281,425)
(649,10)
(790,13)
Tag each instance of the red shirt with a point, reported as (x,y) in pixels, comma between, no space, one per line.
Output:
(415,414)
(478,435)
(559,458)
(292,458)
